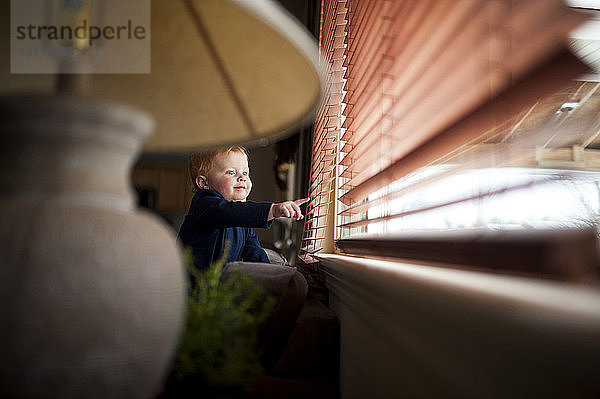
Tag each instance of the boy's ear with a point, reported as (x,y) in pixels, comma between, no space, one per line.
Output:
(201,182)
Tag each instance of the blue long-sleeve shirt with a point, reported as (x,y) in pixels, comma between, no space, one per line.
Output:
(212,220)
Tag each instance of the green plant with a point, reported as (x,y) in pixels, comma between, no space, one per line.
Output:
(218,353)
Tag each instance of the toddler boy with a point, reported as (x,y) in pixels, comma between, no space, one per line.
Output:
(219,211)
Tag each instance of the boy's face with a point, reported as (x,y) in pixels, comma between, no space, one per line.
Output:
(230,176)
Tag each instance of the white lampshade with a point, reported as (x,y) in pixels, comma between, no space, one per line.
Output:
(222,72)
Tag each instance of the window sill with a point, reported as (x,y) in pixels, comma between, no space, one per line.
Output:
(393,276)
(438,332)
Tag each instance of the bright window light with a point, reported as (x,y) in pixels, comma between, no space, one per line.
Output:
(543,201)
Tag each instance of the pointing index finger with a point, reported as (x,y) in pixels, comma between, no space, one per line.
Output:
(302,201)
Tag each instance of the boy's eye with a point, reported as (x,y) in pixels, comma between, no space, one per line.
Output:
(230,172)
(245,173)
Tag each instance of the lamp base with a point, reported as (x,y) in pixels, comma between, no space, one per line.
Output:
(91,290)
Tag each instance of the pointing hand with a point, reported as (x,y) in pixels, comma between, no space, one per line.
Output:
(288,209)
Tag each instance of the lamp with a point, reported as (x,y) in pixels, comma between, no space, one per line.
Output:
(92,289)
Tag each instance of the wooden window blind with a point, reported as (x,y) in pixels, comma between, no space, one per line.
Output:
(416,82)
(327,130)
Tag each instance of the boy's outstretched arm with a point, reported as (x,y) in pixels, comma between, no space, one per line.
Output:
(288,209)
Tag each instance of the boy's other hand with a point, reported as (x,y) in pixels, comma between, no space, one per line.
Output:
(287,209)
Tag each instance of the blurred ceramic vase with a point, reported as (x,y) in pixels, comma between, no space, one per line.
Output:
(91,289)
